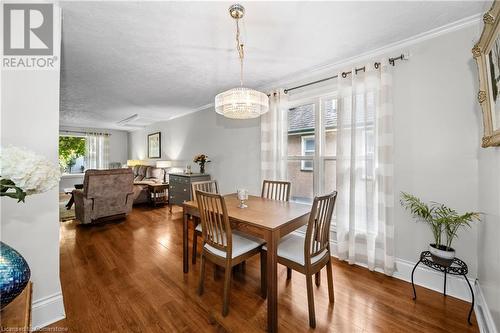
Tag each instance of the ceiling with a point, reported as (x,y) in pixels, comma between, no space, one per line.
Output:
(156,60)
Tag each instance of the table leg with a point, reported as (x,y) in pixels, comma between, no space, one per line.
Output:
(472,294)
(185,247)
(413,284)
(272,282)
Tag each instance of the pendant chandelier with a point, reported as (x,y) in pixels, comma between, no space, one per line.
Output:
(240,102)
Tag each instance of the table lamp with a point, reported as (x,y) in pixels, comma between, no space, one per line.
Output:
(164,165)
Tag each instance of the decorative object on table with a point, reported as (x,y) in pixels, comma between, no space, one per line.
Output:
(457,267)
(188,169)
(241,102)
(441,219)
(164,165)
(22,173)
(14,273)
(133,163)
(486,52)
(242,197)
(154,145)
(201,159)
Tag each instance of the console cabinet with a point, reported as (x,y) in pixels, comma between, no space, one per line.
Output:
(180,186)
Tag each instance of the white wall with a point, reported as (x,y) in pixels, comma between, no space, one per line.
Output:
(232,145)
(437,137)
(30,119)
(118,151)
(489,230)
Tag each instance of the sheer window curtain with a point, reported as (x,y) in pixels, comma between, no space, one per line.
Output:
(97,150)
(273,137)
(365,205)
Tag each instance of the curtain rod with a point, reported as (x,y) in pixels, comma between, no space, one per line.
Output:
(80,132)
(392,61)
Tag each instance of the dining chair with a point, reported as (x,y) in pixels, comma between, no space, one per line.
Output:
(276,190)
(309,254)
(205,186)
(221,245)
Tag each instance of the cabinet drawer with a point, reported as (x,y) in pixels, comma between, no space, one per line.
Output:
(178,198)
(176,187)
(178,179)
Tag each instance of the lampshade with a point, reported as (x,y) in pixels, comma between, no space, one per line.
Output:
(241,103)
(132,163)
(163,164)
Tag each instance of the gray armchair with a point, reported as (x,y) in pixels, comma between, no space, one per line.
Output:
(106,194)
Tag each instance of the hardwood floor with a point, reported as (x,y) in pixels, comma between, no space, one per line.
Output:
(127,277)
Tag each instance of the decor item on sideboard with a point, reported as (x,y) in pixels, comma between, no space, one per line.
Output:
(441,219)
(486,52)
(154,145)
(22,173)
(201,159)
(241,102)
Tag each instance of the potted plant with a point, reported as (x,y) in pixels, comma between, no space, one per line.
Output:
(441,220)
(201,159)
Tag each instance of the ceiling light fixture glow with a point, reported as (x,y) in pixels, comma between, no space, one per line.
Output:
(241,102)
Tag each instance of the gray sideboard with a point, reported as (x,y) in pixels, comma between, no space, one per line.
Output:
(180,186)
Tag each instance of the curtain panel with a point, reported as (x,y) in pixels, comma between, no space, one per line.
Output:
(365,203)
(97,150)
(273,138)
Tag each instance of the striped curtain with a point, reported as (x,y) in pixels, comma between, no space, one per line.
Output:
(365,205)
(273,138)
(97,150)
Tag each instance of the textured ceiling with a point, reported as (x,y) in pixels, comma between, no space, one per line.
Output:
(163,59)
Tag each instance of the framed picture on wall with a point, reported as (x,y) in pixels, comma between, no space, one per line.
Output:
(154,145)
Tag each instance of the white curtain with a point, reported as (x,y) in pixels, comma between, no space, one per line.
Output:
(97,150)
(273,137)
(365,204)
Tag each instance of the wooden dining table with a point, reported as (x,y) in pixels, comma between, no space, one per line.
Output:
(264,218)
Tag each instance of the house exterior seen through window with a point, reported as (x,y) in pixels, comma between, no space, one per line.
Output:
(312,144)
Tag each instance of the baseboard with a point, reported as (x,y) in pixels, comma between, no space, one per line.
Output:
(47,310)
(483,314)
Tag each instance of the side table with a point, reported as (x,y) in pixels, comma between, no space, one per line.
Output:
(16,316)
(159,194)
(457,267)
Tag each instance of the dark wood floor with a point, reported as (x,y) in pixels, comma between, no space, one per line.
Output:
(127,277)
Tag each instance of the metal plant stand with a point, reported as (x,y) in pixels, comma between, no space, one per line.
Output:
(457,267)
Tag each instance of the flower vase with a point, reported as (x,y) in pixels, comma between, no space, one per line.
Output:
(14,273)
(202,167)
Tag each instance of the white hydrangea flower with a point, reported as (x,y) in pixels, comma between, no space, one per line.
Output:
(31,172)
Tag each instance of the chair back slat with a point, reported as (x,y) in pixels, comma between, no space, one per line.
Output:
(209,186)
(276,190)
(318,228)
(216,229)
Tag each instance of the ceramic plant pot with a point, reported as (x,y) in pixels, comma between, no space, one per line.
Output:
(441,254)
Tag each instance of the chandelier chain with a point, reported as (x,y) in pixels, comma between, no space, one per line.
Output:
(239,47)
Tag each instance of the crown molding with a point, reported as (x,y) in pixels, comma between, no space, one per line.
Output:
(332,67)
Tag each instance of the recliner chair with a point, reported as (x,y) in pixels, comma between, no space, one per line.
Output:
(106,195)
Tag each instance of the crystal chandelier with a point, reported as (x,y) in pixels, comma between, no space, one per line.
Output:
(240,102)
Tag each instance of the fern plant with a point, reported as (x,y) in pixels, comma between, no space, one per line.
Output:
(440,218)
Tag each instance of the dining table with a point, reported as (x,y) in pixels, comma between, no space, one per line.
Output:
(264,218)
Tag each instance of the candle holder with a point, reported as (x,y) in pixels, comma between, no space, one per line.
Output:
(242,196)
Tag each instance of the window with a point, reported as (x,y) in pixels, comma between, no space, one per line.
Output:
(307,150)
(72,153)
(312,144)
